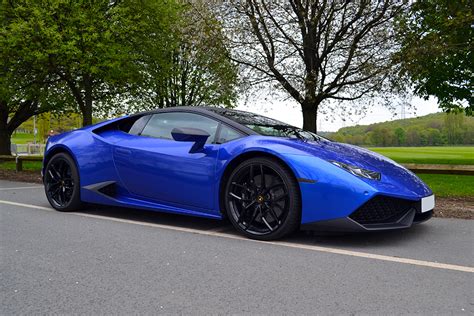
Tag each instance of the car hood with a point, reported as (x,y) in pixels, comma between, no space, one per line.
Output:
(349,154)
(393,174)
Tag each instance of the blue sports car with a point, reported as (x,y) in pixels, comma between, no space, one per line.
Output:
(267,177)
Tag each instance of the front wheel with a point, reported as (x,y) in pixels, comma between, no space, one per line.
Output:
(262,199)
(61,183)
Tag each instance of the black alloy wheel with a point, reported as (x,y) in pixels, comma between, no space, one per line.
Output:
(262,199)
(61,183)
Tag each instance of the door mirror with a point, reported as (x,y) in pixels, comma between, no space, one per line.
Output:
(187,134)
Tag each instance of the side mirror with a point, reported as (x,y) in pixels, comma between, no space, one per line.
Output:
(188,134)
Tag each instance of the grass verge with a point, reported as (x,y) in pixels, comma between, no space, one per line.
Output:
(449,185)
(27,165)
(429,155)
(23,138)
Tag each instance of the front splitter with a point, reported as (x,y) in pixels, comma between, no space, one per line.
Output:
(347,224)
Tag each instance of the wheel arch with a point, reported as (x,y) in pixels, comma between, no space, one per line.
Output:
(56,150)
(231,165)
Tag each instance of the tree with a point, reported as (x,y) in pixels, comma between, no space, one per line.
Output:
(382,136)
(436,38)
(454,125)
(15,108)
(198,72)
(27,87)
(316,50)
(413,136)
(434,137)
(400,136)
(96,47)
(18,103)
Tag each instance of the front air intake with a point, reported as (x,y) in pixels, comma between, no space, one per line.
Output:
(383,210)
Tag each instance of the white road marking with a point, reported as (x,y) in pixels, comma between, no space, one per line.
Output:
(37,207)
(217,233)
(221,229)
(21,188)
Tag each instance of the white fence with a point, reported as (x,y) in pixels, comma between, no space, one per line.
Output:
(27,149)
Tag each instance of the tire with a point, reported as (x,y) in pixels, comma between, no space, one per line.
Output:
(61,183)
(264,207)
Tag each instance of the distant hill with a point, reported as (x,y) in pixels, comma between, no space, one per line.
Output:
(325,134)
(430,130)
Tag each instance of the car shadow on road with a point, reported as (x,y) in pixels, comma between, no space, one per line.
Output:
(315,238)
(362,239)
(159,218)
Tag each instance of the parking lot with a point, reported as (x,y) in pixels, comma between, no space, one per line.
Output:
(120,261)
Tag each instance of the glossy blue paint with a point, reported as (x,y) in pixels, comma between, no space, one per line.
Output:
(159,174)
(164,170)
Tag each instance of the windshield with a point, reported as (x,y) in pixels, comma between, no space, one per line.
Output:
(265,125)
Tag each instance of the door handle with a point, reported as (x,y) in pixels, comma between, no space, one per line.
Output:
(123,151)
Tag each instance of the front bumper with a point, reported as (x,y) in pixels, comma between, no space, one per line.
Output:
(379,213)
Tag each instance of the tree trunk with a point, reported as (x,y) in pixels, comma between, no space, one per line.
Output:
(5,142)
(310,113)
(87,111)
(5,133)
(8,124)
(87,115)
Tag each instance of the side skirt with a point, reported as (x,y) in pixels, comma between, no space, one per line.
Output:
(108,193)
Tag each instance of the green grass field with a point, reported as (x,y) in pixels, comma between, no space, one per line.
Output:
(449,185)
(23,138)
(27,165)
(429,155)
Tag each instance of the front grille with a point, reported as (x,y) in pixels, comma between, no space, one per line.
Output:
(382,209)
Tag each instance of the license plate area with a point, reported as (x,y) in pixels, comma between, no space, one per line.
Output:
(427,203)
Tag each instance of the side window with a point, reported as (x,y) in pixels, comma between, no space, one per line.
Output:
(139,124)
(226,134)
(160,125)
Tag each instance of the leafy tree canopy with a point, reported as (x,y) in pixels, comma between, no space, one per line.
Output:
(93,57)
(198,68)
(94,49)
(437,51)
(27,87)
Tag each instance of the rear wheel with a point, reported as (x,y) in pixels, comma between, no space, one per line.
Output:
(61,183)
(262,199)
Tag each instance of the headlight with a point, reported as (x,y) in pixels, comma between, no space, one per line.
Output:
(357,171)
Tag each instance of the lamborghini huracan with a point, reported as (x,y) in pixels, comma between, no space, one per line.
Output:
(266,177)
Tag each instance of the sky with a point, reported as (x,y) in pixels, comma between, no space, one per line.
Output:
(289,112)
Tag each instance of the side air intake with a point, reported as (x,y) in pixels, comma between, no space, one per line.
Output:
(109,190)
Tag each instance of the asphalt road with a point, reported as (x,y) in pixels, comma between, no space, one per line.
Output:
(118,261)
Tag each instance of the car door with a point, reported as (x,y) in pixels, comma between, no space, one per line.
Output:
(154,166)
